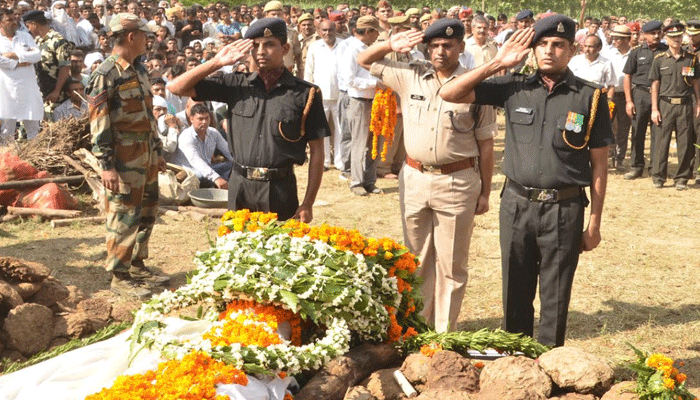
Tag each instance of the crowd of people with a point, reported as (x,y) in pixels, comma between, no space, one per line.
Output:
(239,95)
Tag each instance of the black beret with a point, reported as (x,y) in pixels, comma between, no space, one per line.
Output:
(34,15)
(266,27)
(555,25)
(523,14)
(444,28)
(653,25)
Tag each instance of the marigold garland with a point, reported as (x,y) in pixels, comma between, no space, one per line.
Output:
(383,120)
(194,377)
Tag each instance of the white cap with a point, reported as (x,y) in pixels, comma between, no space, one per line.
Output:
(159,101)
(23,4)
(92,58)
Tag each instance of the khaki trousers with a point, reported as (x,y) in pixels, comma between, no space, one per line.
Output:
(438,219)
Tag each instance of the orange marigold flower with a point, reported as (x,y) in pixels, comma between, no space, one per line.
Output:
(669,383)
(429,350)
(680,378)
(479,364)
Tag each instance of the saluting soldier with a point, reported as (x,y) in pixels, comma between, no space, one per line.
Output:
(126,142)
(557,137)
(446,179)
(693,31)
(674,75)
(273,117)
(637,86)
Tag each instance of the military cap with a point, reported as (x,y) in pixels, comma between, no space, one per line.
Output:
(412,11)
(273,5)
(524,14)
(399,21)
(266,27)
(693,27)
(305,17)
(465,13)
(35,15)
(621,31)
(445,28)
(425,17)
(368,21)
(129,22)
(555,25)
(651,26)
(675,28)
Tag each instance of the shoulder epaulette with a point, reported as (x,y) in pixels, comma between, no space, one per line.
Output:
(106,66)
(663,53)
(636,47)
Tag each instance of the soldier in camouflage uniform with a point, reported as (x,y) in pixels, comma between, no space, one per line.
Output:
(53,70)
(126,142)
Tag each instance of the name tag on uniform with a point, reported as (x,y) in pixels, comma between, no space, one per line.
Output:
(642,58)
(417,97)
(129,85)
(523,110)
(663,68)
(688,71)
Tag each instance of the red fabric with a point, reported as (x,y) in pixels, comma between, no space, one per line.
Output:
(12,168)
(51,195)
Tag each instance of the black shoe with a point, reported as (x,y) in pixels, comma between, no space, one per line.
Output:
(142,274)
(372,189)
(129,288)
(633,174)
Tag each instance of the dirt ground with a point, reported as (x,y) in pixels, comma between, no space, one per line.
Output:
(639,286)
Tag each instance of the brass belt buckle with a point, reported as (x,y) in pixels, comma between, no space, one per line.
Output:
(543,195)
(432,169)
(676,100)
(257,174)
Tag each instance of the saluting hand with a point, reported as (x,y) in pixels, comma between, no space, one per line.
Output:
(234,52)
(516,48)
(403,42)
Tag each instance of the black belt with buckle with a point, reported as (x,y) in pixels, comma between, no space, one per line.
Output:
(643,88)
(262,173)
(544,195)
(676,100)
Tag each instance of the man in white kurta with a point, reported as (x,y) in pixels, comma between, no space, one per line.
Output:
(20,98)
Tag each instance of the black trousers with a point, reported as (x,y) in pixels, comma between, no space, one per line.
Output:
(696,132)
(539,241)
(621,125)
(679,118)
(640,122)
(278,196)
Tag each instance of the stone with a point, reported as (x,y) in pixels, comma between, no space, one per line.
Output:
(97,311)
(621,391)
(13,355)
(514,378)
(574,396)
(27,289)
(30,327)
(75,296)
(72,325)
(383,386)
(451,371)
(444,395)
(14,269)
(51,292)
(358,393)
(9,295)
(415,368)
(124,312)
(575,370)
(59,341)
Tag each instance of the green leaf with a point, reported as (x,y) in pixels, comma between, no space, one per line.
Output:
(221,282)
(308,309)
(290,299)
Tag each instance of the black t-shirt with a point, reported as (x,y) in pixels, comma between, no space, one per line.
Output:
(256,117)
(536,150)
(187,33)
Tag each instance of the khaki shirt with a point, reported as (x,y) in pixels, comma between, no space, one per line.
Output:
(482,54)
(294,54)
(435,132)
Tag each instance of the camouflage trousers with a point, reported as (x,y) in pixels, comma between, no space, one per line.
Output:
(131,213)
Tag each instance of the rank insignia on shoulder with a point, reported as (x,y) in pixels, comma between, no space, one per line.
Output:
(417,97)
(574,122)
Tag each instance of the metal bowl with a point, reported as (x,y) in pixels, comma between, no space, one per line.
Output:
(209,198)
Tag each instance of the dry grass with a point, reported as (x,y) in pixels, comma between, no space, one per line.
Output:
(640,285)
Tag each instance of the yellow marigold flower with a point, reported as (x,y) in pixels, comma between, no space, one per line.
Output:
(388,255)
(669,383)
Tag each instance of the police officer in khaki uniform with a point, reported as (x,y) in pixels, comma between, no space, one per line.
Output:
(637,88)
(557,137)
(292,59)
(674,76)
(126,142)
(446,179)
(273,116)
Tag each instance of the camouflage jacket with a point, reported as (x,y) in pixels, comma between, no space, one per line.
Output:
(55,54)
(120,103)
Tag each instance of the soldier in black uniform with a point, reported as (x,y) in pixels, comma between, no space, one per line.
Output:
(637,88)
(693,31)
(272,117)
(557,136)
(674,82)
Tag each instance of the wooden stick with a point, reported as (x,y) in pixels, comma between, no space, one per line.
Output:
(89,158)
(69,221)
(92,179)
(44,212)
(38,182)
